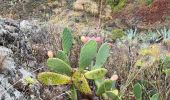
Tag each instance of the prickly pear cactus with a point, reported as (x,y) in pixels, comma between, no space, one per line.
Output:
(81,83)
(113,95)
(102,55)
(51,78)
(61,55)
(59,66)
(96,74)
(106,85)
(66,40)
(87,53)
(62,73)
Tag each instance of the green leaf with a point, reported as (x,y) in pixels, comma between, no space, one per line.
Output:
(72,93)
(96,74)
(51,78)
(61,55)
(105,86)
(137,90)
(167,71)
(113,95)
(88,52)
(155,97)
(66,40)
(81,83)
(59,66)
(98,82)
(102,55)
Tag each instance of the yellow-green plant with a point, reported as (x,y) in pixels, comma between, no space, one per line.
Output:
(116,5)
(61,72)
(117,33)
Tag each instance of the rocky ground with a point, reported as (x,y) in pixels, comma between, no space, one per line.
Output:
(22,53)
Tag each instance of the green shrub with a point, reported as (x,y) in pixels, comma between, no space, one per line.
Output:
(117,33)
(116,5)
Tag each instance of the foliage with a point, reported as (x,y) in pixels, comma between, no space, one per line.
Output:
(102,55)
(105,86)
(88,52)
(147,65)
(117,33)
(62,73)
(113,94)
(165,35)
(137,90)
(131,34)
(81,83)
(116,5)
(61,55)
(59,66)
(51,78)
(66,40)
(148,2)
(29,81)
(96,73)
(155,97)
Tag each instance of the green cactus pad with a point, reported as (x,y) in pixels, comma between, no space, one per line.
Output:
(96,74)
(102,55)
(88,52)
(59,66)
(81,83)
(113,95)
(137,90)
(98,82)
(51,78)
(66,40)
(105,86)
(61,55)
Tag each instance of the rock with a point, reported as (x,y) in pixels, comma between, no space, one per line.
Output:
(29,25)
(18,39)
(26,73)
(7,90)
(7,71)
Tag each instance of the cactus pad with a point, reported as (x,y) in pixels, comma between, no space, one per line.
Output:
(66,40)
(113,95)
(96,74)
(61,55)
(88,52)
(51,78)
(81,83)
(102,55)
(105,86)
(59,66)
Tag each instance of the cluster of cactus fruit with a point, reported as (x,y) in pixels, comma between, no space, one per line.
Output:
(61,72)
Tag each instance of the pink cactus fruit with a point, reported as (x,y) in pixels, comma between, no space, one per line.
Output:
(110,44)
(50,54)
(98,39)
(84,39)
(114,77)
(93,38)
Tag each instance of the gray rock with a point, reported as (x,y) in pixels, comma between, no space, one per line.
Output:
(26,25)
